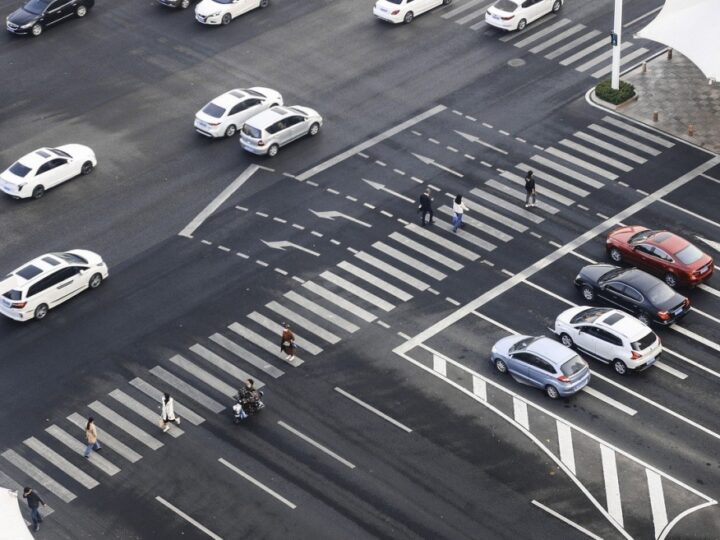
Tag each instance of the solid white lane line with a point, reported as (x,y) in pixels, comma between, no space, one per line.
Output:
(549,293)
(566,520)
(557,39)
(537,35)
(697,337)
(637,131)
(184,412)
(217,202)
(439,365)
(429,253)
(319,310)
(549,178)
(484,227)
(339,301)
(256,339)
(597,155)
(609,147)
(671,370)
(39,476)
(357,291)
(520,413)
(76,446)
(617,137)
(581,163)
(505,205)
(141,410)
(125,425)
(203,399)
(80,476)
(706,315)
(520,195)
(657,501)
(370,142)
(316,444)
(391,270)
(410,261)
(372,279)
(612,485)
(262,486)
(303,322)
(641,17)
(9,483)
(202,375)
(373,410)
(709,289)
(610,401)
(571,45)
(682,516)
(519,180)
(570,173)
(187,518)
(437,239)
(108,440)
(479,388)
(567,452)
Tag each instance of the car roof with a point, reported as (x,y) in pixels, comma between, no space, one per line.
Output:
(667,241)
(638,279)
(623,324)
(265,118)
(43,263)
(228,99)
(37,158)
(556,353)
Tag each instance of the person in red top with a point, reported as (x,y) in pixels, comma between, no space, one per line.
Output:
(287,343)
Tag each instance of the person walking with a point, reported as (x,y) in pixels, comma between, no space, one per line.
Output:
(167,414)
(287,342)
(425,207)
(459,209)
(530,189)
(34,501)
(91,437)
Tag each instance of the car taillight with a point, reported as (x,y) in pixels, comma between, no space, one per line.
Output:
(18,305)
(214,125)
(508,18)
(563,378)
(686,302)
(395,12)
(634,355)
(663,315)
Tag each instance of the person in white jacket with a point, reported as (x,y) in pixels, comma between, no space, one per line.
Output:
(458,209)
(168,412)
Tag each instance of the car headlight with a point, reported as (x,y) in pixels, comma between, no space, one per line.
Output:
(216,14)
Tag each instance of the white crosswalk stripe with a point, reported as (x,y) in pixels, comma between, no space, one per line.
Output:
(637,131)
(303,322)
(391,270)
(374,280)
(528,29)
(540,33)
(597,155)
(339,301)
(276,326)
(520,195)
(465,236)
(600,57)
(550,179)
(320,311)
(461,8)
(581,163)
(141,410)
(181,410)
(584,52)
(124,424)
(9,483)
(484,227)
(190,391)
(609,147)
(74,472)
(202,375)
(410,261)
(617,137)
(107,440)
(437,239)
(246,355)
(49,483)
(76,446)
(427,252)
(567,171)
(544,191)
(357,291)
(626,59)
(612,485)
(474,15)
(572,45)
(546,44)
(508,206)
(256,339)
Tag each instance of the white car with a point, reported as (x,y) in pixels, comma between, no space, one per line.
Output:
(223,11)
(611,336)
(265,133)
(227,113)
(45,168)
(404,11)
(517,14)
(51,279)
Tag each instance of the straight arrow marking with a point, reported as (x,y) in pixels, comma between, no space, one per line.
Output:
(473,138)
(381,187)
(282,244)
(430,161)
(332,214)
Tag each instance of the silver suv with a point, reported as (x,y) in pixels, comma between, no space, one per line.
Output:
(265,133)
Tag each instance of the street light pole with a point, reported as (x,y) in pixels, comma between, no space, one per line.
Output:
(616,44)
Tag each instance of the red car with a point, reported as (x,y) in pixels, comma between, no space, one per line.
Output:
(662,253)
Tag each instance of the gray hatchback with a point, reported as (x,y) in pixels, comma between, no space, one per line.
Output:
(541,362)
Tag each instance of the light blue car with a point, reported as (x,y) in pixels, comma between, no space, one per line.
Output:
(541,362)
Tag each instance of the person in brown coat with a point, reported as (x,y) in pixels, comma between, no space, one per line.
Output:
(91,437)
(287,342)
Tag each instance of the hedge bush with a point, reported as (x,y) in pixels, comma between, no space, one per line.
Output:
(605,92)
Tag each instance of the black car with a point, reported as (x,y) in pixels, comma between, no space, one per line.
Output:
(36,15)
(633,290)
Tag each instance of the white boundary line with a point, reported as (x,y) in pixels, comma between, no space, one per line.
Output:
(641,17)
(221,198)
(680,516)
(262,486)
(373,409)
(316,444)
(566,520)
(188,518)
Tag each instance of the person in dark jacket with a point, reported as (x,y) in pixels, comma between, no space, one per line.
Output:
(34,501)
(530,189)
(425,207)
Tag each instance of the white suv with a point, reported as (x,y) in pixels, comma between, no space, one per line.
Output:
(609,335)
(43,283)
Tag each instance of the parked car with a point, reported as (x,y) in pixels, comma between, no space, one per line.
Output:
(216,12)
(609,335)
(227,113)
(662,253)
(541,362)
(265,133)
(517,14)
(634,291)
(404,11)
(46,168)
(36,15)
(49,280)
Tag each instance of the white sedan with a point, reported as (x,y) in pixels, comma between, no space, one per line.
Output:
(404,11)
(223,11)
(517,14)
(227,113)
(45,168)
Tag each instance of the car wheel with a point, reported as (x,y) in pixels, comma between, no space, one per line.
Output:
(41,311)
(38,192)
(314,129)
(37,30)
(264,3)
(588,293)
(620,367)
(556,6)
(81,11)
(273,150)
(86,168)
(521,25)
(185,4)
(644,318)
(671,279)
(500,366)
(552,392)
(615,255)
(409,16)
(230,131)
(95,281)
(226,18)
(566,340)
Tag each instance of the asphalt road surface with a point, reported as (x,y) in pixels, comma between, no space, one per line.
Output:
(390,423)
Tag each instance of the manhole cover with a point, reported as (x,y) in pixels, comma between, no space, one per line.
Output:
(516,62)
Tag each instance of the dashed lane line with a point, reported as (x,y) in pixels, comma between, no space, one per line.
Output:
(373,410)
(316,444)
(187,518)
(566,520)
(259,484)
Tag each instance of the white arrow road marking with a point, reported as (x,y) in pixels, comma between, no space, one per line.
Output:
(282,244)
(381,187)
(332,214)
(473,138)
(430,161)
(711,243)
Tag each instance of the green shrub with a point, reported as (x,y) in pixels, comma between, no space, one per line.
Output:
(605,92)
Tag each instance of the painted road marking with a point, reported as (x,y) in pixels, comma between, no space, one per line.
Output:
(357,291)
(375,281)
(220,363)
(709,289)
(373,410)
(80,476)
(184,412)
(567,452)
(141,410)
(557,39)
(316,444)
(566,520)
(671,370)
(437,239)
(520,413)
(76,446)
(612,485)
(570,173)
(202,375)
(641,17)
(256,339)
(484,227)
(440,365)
(187,518)
(409,261)
(537,35)
(657,501)
(584,52)
(610,401)
(597,155)
(639,132)
(465,236)
(505,205)
(391,270)
(319,310)
(520,195)
(39,476)
(479,388)
(706,315)
(169,379)
(613,135)
(11,484)
(692,335)
(474,15)
(244,354)
(519,180)
(461,8)
(108,440)
(581,163)
(431,254)
(609,147)
(600,57)
(626,59)
(571,45)
(339,301)
(262,486)
(303,322)
(125,425)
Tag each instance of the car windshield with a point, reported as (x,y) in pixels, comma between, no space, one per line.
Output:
(213,110)
(18,169)
(61,153)
(70,258)
(660,293)
(395,1)
(588,315)
(641,236)
(573,366)
(223,1)
(35,6)
(251,131)
(612,274)
(505,5)
(689,254)
(644,342)
(524,344)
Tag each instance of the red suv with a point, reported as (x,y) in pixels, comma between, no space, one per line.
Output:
(662,253)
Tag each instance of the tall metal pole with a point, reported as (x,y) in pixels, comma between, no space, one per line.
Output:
(616,43)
